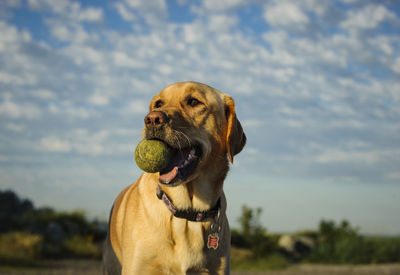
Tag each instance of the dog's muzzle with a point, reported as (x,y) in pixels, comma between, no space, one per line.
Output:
(183,162)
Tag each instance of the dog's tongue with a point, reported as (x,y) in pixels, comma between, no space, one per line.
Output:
(172,169)
(168,177)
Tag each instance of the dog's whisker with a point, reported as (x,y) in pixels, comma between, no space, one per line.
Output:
(180,136)
(177,142)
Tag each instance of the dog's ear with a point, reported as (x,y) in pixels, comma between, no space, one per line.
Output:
(235,137)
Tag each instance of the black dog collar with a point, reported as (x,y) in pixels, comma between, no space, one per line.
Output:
(190,215)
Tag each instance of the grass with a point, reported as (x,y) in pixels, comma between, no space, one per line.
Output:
(19,251)
(82,247)
(20,246)
(10,265)
(243,260)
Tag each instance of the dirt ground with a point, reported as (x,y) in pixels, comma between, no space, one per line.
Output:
(85,267)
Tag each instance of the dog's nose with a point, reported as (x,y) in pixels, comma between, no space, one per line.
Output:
(155,119)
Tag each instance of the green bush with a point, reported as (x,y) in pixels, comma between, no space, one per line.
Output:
(384,249)
(341,244)
(78,246)
(73,223)
(244,260)
(252,234)
(19,247)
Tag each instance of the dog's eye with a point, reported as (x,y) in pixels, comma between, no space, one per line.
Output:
(158,104)
(191,101)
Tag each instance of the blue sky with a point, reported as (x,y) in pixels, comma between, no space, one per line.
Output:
(316,84)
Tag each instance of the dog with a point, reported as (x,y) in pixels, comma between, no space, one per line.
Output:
(174,221)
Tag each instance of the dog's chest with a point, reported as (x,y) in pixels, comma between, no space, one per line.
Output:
(186,244)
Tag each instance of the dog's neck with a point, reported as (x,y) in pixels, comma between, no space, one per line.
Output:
(189,214)
(199,194)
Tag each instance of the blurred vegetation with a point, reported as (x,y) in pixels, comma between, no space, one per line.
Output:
(342,244)
(252,235)
(244,260)
(253,248)
(28,235)
(82,247)
(19,247)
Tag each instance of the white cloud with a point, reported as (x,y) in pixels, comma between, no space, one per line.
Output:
(7,78)
(18,128)
(371,16)
(74,34)
(11,3)
(122,59)
(91,15)
(350,1)
(136,107)
(252,123)
(5,5)
(396,65)
(86,55)
(154,12)
(141,86)
(393,176)
(294,123)
(124,12)
(61,32)
(71,10)
(301,51)
(84,142)
(320,8)
(348,124)
(193,33)
(279,41)
(223,5)
(79,112)
(221,22)
(286,14)
(98,99)
(383,43)
(11,36)
(44,94)
(165,69)
(68,111)
(19,110)
(252,151)
(370,157)
(54,144)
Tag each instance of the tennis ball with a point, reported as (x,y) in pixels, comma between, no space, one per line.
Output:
(152,155)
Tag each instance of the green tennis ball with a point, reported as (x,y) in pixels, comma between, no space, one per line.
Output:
(152,155)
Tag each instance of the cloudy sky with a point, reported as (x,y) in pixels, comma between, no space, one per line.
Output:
(316,83)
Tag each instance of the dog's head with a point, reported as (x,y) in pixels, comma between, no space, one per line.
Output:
(200,124)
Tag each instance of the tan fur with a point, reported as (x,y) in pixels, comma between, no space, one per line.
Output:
(146,237)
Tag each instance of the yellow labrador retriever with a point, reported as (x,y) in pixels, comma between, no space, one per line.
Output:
(174,221)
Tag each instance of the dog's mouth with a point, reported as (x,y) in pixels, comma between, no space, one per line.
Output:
(182,164)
